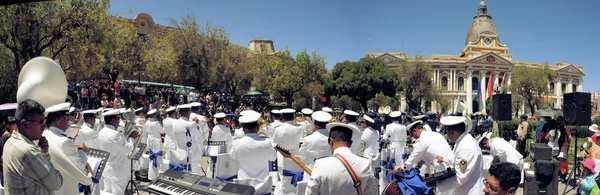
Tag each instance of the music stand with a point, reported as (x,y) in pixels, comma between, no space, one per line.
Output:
(135,156)
(212,149)
(103,156)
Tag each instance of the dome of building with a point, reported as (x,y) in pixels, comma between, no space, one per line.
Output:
(482,23)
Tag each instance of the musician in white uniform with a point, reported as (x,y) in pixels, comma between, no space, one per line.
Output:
(426,149)
(116,171)
(308,124)
(252,152)
(154,144)
(330,176)
(221,132)
(395,134)
(501,149)
(315,145)
(287,136)
(275,116)
(370,137)
(87,135)
(69,159)
(199,119)
(239,133)
(184,131)
(350,117)
(468,160)
(170,145)
(424,123)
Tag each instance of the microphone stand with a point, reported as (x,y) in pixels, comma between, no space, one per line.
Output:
(189,145)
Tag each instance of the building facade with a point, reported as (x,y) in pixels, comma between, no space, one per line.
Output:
(483,59)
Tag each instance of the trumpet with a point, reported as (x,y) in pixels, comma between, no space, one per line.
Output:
(262,124)
(130,127)
(78,125)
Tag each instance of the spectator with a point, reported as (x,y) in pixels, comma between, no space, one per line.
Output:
(587,182)
(503,179)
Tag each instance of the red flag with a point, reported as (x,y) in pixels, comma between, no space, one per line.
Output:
(489,86)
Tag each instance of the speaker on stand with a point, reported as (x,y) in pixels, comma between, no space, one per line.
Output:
(577,110)
(502,111)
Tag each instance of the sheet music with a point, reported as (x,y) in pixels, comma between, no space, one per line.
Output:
(94,163)
(214,150)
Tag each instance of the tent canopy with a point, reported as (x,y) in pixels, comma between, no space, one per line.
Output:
(179,87)
(256,93)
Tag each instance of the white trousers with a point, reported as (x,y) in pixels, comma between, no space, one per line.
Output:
(114,185)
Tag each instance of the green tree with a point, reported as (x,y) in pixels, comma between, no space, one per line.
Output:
(362,80)
(282,74)
(198,48)
(230,75)
(161,61)
(531,82)
(415,82)
(30,30)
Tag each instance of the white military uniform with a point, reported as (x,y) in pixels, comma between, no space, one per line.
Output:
(270,129)
(88,136)
(180,129)
(68,160)
(170,145)
(355,147)
(371,137)
(287,136)
(116,171)
(307,126)
(239,133)
(468,164)
(202,125)
(395,133)
(154,146)
(253,154)
(315,146)
(427,148)
(221,132)
(329,176)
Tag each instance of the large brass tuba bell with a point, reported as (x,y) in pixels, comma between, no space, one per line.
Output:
(42,80)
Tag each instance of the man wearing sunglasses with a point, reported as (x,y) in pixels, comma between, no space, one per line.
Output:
(28,164)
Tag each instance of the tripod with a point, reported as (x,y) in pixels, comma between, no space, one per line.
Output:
(573,174)
(131,182)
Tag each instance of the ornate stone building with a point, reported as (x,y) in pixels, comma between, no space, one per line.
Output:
(483,59)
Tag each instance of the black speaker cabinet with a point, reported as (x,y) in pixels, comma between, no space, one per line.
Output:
(544,179)
(577,108)
(502,109)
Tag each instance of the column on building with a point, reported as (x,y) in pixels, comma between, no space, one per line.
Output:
(483,90)
(570,85)
(580,85)
(403,103)
(469,92)
(508,81)
(496,80)
(557,92)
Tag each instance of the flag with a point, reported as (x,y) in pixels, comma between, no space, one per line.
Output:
(479,90)
(489,86)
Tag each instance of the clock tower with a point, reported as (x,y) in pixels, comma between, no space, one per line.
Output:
(482,36)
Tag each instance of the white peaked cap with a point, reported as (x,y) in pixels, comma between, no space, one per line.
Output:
(326,109)
(220,115)
(275,111)
(184,106)
(195,104)
(139,109)
(90,112)
(170,109)
(249,118)
(410,126)
(151,112)
(245,112)
(369,119)
(351,127)
(452,120)
(350,112)
(321,116)
(112,113)
(307,111)
(395,114)
(287,111)
(62,107)
(71,109)
(124,110)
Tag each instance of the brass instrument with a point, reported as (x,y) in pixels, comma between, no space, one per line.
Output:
(42,79)
(130,127)
(262,124)
(78,125)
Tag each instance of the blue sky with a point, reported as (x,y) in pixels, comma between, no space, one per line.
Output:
(534,30)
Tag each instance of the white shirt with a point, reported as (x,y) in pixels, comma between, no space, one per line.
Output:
(355,147)
(154,130)
(168,126)
(553,141)
(288,135)
(499,147)
(427,127)
(467,181)
(270,130)
(68,160)
(88,136)
(180,129)
(307,126)
(395,133)
(315,146)
(118,165)
(202,125)
(221,132)
(370,138)
(330,177)
(253,154)
(427,148)
(239,133)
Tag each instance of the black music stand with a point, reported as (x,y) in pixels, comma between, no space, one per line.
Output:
(209,150)
(103,156)
(139,150)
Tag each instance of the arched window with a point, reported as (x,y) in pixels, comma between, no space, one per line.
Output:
(574,87)
(551,87)
(461,84)
(444,83)
(563,88)
(475,84)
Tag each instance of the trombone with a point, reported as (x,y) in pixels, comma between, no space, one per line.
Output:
(130,127)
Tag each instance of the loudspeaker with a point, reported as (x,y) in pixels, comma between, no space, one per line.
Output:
(577,108)
(502,109)
(543,180)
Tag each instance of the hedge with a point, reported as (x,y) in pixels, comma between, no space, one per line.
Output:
(511,126)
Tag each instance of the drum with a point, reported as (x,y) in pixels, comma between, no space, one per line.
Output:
(392,189)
